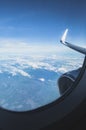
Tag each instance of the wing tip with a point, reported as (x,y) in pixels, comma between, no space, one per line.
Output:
(63,38)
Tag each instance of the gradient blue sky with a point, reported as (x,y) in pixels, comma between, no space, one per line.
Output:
(42,21)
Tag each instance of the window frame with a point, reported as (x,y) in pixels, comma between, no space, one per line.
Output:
(50,113)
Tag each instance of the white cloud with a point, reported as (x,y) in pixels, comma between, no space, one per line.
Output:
(22,46)
(23,73)
(14,70)
(42,79)
(62,70)
(17,64)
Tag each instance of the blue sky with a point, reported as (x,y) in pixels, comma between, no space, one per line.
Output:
(42,21)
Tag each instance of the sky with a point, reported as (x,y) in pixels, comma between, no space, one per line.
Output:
(42,22)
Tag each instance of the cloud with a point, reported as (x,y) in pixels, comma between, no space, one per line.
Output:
(23,73)
(13,45)
(13,70)
(19,64)
(62,70)
(42,79)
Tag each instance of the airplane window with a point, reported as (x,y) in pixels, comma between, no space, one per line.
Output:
(35,68)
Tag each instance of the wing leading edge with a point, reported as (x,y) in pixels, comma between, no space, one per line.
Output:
(74,47)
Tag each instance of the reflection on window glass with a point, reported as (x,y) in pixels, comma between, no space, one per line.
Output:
(31,56)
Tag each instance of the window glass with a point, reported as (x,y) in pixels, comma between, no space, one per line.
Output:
(32,59)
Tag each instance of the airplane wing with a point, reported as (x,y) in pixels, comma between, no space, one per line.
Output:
(74,47)
(64,36)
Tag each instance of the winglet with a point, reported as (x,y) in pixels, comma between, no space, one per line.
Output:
(64,36)
(74,47)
